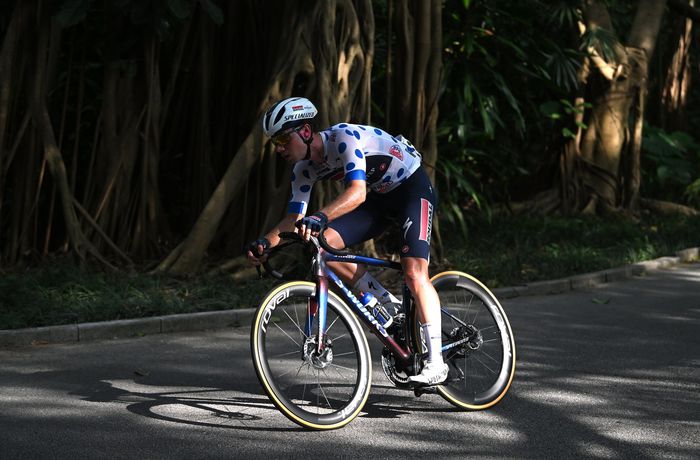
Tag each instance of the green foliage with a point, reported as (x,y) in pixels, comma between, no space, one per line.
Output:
(508,251)
(499,68)
(61,293)
(601,40)
(692,194)
(504,251)
(671,165)
(161,14)
(566,111)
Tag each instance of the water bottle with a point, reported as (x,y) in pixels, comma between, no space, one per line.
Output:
(372,304)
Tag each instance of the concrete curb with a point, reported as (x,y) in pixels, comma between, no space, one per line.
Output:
(126,328)
(242,317)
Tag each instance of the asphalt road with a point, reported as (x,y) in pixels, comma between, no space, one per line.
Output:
(611,372)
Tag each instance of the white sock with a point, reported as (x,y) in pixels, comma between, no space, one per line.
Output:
(433,338)
(368,283)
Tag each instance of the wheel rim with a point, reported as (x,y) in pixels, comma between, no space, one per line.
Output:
(482,366)
(317,391)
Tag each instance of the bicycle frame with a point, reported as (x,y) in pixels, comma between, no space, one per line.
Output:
(325,275)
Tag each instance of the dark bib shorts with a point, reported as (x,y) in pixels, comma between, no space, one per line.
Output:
(411,206)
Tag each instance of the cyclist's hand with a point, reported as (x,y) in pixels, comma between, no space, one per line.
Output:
(311,225)
(257,251)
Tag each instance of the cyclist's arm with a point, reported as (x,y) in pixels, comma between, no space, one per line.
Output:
(353,196)
(285,225)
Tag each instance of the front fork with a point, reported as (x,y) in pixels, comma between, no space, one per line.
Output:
(318,306)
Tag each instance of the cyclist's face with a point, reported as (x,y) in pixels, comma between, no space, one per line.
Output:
(290,144)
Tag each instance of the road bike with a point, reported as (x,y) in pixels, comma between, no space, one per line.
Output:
(311,354)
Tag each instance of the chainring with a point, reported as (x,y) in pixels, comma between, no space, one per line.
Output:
(398,377)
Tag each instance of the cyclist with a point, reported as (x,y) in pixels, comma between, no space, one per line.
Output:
(363,157)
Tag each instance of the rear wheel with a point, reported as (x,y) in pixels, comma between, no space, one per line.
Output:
(477,342)
(315,390)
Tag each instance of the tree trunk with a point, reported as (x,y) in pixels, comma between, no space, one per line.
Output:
(52,154)
(608,165)
(335,72)
(415,88)
(678,75)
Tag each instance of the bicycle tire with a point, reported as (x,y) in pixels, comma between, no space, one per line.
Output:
(315,392)
(483,367)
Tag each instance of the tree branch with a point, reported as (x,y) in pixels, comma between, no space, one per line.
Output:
(684,9)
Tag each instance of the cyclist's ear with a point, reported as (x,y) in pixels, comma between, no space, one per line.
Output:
(306,131)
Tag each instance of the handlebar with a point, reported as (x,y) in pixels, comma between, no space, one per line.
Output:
(295,238)
(330,249)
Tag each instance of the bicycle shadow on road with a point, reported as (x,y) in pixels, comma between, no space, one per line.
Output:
(203,407)
(218,408)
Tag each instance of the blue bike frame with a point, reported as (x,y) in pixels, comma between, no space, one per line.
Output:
(325,275)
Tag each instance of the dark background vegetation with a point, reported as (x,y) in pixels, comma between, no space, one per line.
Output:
(561,136)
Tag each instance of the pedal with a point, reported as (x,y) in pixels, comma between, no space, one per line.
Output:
(425,389)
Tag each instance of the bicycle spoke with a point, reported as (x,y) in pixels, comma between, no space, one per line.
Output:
(312,389)
(328,329)
(291,370)
(336,368)
(469,317)
(303,393)
(321,388)
(296,315)
(344,354)
(295,352)
(343,367)
(484,364)
(295,324)
(340,337)
(492,340)
(490,357)
(285,333)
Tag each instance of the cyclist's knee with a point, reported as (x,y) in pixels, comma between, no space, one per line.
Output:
(415,273)
(334,239)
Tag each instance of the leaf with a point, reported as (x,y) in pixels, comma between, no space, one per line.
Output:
(458,217)
(550,109)
(603,41)
(72,12)
(213,11)
(181,9)
(600,301)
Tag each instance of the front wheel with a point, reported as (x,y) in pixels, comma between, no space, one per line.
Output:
(315,390)
(477,342)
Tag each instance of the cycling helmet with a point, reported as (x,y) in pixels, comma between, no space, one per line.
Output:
(289,113)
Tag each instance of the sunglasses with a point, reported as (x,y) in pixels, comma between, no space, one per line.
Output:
(284,138)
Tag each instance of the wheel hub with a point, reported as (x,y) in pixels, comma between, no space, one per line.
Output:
(470,335)
(475,339)
(313,357)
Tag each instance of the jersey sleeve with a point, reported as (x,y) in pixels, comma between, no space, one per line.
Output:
(350,148)
(303,179)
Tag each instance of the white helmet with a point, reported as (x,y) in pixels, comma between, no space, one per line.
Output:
(288,113)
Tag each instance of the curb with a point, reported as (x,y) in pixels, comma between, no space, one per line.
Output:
(594,279)
(126,328)
(236,318)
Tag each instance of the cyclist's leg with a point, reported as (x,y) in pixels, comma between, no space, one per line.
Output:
(357,226)
(418,281)
(418,201)
(349,273)
(416,213)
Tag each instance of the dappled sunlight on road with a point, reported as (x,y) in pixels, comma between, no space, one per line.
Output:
(611,372)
